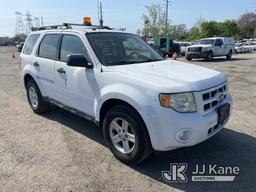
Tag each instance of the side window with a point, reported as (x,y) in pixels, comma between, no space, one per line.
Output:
(71,44)
(218,42)
(221,42)
(30,43)
(48,46)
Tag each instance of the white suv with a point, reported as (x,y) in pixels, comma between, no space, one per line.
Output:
(115,79)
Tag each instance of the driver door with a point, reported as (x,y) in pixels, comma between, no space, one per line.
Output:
(219,47)
(74,84)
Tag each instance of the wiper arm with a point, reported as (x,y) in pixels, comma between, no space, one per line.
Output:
(121,62)
(133,62)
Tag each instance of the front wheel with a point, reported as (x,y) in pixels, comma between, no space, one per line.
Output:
(209,56)
(188,57)
(126,135)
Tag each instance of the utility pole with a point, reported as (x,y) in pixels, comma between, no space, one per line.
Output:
(166,16)
(42,21)
(255,28)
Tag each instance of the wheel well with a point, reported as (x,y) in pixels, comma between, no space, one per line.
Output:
(27,78)
(107,105)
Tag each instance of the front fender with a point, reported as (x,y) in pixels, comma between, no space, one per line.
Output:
(135,97)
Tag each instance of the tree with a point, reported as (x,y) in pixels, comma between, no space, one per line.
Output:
(177,31)
(229,28)
(211,29)
(154,21)
(19,38)
(247,25)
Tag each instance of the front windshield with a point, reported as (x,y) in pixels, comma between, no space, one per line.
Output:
(114,48)
(207,42)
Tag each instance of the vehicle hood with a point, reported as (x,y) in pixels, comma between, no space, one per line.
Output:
(176,76)
(209,45)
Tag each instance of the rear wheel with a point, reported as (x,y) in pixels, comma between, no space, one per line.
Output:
(229,55)
(126,135)
(35,99)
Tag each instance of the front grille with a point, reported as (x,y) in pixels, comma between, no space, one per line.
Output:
(214,97)
(195,49)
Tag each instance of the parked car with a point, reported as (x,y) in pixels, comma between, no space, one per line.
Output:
(115,79)
(244,47)
(20,46)
(167,46)
(184,47)
(212,47)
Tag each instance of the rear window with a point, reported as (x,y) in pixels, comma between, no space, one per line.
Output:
(30,43)
(48,46)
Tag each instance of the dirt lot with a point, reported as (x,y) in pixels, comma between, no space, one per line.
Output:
(62,152)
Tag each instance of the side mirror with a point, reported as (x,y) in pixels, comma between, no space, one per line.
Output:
(78,61)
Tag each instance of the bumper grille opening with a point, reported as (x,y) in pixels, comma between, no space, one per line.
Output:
(213,97)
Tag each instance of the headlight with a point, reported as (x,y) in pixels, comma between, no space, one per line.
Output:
(181,102)
(205,49)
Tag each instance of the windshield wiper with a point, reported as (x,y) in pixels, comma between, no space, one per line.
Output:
(132,62)
(152,60)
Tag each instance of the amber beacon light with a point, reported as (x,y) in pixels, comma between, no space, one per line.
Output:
(87,21)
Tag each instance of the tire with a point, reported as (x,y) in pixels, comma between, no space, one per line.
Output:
(35,99)
(229,55)
(136,151)
(209,56)
(188,58)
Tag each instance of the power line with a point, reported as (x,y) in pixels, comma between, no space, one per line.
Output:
(29,22)
(20,27)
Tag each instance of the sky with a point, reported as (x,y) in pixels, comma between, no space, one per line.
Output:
(120,13)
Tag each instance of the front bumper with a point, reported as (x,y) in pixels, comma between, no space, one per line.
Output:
(198,54)
(164,124)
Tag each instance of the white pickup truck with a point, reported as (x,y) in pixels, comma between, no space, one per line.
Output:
(212,47)
(142,101)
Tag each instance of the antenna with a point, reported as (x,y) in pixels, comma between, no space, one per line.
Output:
(42,21)
(100,13)
(20,27)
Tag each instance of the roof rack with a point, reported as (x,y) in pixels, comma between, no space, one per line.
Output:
(49,27)
(69,26)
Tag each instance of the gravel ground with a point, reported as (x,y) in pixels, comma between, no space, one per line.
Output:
(61,152)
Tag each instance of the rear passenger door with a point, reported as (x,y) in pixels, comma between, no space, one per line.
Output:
(74,84)
(44,62)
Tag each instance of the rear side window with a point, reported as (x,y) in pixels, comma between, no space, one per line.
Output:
(71,45)
(30,43)
(48,46)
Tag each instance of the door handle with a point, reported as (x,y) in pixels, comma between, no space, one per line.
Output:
(61,70)
(36,64)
